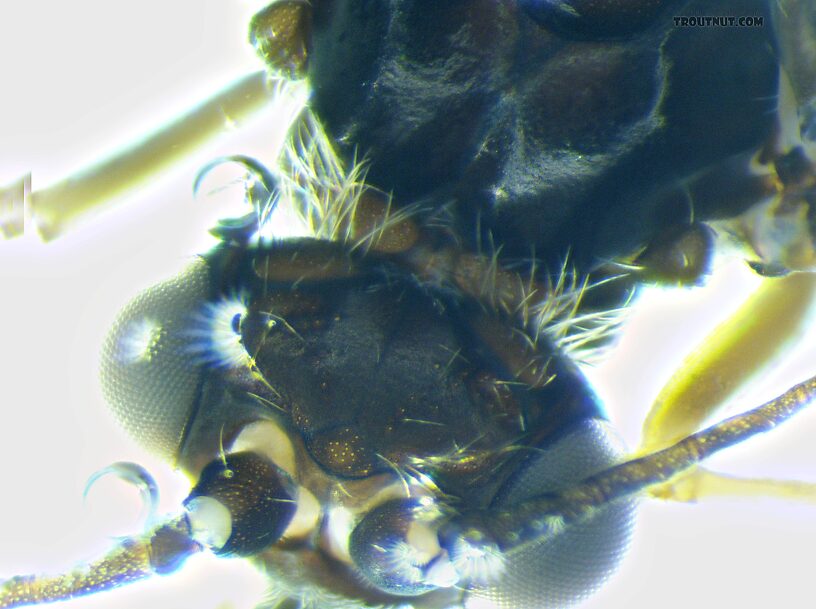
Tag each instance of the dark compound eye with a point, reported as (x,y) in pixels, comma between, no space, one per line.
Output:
(597,19)
(562,571)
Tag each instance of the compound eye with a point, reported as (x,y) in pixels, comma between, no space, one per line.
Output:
(149,379)
(564,570)
(596,19)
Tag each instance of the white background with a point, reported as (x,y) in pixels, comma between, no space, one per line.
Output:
(80,78)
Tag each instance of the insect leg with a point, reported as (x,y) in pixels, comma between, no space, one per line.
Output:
(738,349)
(702,483)
(776,228)
(56,208)
(13,198)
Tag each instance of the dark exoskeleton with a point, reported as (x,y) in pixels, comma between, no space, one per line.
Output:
(387,412)
(560,137)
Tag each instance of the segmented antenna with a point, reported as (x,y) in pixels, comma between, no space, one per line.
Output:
(159,552)
(544,516)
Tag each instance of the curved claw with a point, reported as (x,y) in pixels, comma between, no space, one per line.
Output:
(262,187)
(253,167)
(134,474)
